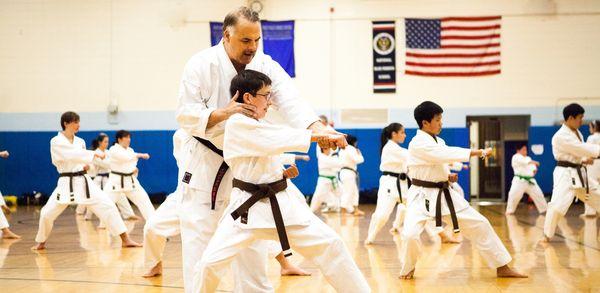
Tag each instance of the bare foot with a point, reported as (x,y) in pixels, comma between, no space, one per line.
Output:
(506,272)
(545,240)
(358,212)
(127,242)
(395,230)
(39,246)
(409,276)
(368,242)
(154,271)
(448,239)
(7,234)
(288,268)
(133,218)
(507,213)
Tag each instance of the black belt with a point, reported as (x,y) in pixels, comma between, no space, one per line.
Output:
(399,176)
(443,188)
(71,175)
(355,172)
(101,181)
(123,175)
(220,174)
(260,191)
(577,167)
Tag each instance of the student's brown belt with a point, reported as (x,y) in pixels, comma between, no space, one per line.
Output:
(258,192)
(577,167)
(444,187)
(71,175)
(220,174)
(399,176)
(102,181)
(123,175)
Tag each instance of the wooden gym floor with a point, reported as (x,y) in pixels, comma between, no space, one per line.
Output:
(83,259)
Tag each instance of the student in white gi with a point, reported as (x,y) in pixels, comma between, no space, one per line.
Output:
(593,169)
(571,178)
(99,171)
(523,182)
(204,103)
(252,148)
(430,196)
(328,185)
(350,158)
(74,186)
(6,232)
(122,180)
(393,183)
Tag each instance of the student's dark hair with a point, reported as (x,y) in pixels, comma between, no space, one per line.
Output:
(520,145)
(572,110)
(96,142)
(121,134)
(68,117)
(351,139)
(386,133)
(426,111)
(248,81)
(232,18)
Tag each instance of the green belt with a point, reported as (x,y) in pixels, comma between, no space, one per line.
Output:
(526,178)
(334,180)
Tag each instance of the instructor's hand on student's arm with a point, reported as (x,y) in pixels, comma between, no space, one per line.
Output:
(329,141)
(219,115)
(291,172)
(588,161)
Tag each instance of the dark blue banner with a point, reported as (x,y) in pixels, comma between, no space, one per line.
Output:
(278,42)
(216,32)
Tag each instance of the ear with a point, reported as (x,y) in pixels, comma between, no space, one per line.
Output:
(247,98)
(226,35)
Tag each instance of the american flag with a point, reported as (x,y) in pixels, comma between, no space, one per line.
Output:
(453,46)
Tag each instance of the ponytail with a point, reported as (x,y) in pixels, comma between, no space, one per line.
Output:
(386,133)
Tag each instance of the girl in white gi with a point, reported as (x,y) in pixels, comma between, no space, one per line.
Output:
(99,171)
(393,183)
(571,178)
(328,184)
(350,157)
(6,232)
(252,148)
(122,179)
(74,186)
(594,169)
(524,169)
(430,196)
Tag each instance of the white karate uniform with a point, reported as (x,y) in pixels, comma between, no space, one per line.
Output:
(72,157)
(124,161)
(328,189)
(393,159)
(428,159)
(522,166)
(593,170)
(102,166)
(3,220)
(252,149)
(567,145)
(164,222)
(350,158)
(204,88)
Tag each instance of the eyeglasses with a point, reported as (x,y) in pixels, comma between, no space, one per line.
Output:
(267,96)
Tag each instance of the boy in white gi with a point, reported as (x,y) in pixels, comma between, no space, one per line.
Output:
(264,204)
(122,180)
(328,185)
(351,157)
(430,196)
(523,182)
(6,232)
(570,174)
(393,183)
(74,186)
